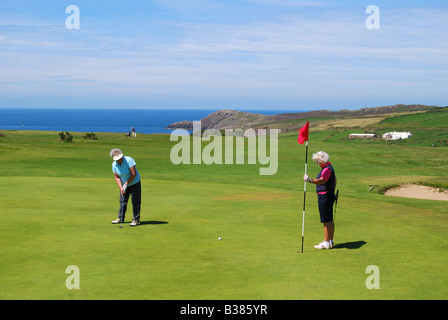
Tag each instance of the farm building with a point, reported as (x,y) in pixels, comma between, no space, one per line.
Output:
(396,135)
(362,135)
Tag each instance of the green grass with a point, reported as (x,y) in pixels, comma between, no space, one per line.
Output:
(428,119)
(58,199)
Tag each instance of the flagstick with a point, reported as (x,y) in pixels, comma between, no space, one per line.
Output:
(304,196)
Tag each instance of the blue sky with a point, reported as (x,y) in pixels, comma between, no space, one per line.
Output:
(245,54)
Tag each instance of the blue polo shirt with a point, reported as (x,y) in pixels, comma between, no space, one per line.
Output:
(123,170)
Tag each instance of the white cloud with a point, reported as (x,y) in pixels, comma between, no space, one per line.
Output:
(291,3)
(291,56)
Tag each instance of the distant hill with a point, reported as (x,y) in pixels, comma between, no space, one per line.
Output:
(232,119)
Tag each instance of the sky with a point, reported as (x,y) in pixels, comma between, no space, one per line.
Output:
(210,54)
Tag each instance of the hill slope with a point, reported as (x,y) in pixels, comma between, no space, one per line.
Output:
(231,119)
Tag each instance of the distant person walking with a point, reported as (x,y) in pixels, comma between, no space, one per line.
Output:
(325,187)
(128,180)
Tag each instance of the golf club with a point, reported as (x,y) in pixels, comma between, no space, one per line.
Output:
(335,204)
(121,212)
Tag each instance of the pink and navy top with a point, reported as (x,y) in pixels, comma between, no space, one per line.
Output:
(329,176)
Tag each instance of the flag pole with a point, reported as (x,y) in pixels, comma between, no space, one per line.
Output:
(303,136)
(304,196)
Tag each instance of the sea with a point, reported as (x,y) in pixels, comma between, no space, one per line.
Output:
(148,121)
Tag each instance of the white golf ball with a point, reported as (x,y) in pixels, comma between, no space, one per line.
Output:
(219,238)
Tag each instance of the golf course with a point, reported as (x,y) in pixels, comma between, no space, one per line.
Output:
(58,200)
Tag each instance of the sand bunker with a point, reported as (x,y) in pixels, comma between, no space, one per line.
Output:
(417,192)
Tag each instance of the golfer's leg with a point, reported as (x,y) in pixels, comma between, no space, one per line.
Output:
(123,205)
(329,225)
(328,230)
(136,192)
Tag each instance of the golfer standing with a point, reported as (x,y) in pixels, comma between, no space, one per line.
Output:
(325,186)
(128,180)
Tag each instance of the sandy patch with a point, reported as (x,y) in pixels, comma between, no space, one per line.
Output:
(417,192)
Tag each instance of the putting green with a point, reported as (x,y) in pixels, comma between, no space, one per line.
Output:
(58,201)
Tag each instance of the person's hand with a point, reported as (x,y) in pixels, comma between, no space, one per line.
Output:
(123,189)
(306,178)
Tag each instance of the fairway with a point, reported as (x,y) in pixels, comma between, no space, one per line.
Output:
(58,201)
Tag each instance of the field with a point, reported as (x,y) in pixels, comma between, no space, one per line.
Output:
(58,199)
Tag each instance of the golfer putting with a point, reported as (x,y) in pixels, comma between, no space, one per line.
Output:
(128,180)
(325,187)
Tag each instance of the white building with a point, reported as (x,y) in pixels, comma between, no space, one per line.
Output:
(396,135)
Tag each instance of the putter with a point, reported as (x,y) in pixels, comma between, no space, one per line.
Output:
(121,215)
(335,204)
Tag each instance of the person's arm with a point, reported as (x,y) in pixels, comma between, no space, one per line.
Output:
(118,180)
(131,178)
(133,171)
(322,180)
(315,181)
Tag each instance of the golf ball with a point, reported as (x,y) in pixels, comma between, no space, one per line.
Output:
(219,238)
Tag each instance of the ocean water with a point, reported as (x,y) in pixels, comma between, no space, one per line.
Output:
(103,120)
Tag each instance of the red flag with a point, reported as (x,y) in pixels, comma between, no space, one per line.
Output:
(303,134)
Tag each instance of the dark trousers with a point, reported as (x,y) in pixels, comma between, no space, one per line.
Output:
(135,192)
(325,202)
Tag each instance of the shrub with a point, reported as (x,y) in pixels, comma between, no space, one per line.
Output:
(66,137)
(90,136)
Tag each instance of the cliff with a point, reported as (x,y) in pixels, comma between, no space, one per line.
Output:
(225,119)
(231,119)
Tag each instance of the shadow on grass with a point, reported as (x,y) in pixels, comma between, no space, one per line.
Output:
(350,245)
(152,222)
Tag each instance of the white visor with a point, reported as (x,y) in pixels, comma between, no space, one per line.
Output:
(117,157)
